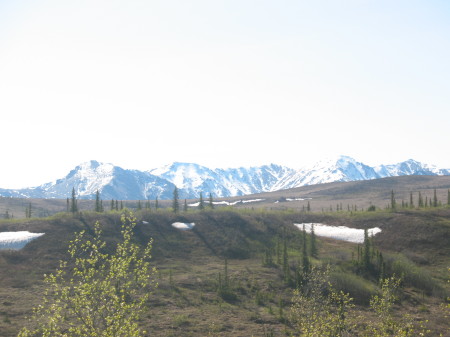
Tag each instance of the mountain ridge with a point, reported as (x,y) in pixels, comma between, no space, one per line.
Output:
(114,182)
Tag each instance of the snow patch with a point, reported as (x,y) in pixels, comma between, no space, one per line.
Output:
(254,200)
(183,226)
(226,203)
(339,232)
(16,240)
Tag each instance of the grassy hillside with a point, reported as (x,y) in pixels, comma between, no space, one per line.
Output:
(415,243)
(359,194)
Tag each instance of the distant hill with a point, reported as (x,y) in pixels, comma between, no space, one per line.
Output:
(191,179)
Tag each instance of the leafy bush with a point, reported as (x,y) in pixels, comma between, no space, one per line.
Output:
(359,288)
(412,275)
(371,208)
(104,294)
(318,309)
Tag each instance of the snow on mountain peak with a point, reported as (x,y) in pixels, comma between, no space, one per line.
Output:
(184,175)
(192,179)
(93,175)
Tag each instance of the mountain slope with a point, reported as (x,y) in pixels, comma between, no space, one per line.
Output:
(112,181)
(409,167)
(192,179)
(341,169)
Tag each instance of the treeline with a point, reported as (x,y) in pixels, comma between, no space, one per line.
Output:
(420,201)
(415,201)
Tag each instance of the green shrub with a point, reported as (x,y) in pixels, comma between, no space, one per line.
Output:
(371,208)
(412,275)
(359,289)
(181,320)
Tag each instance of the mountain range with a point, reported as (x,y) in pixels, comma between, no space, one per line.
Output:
(191,179)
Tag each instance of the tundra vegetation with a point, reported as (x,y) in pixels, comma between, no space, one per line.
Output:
(238,272)
(96,292)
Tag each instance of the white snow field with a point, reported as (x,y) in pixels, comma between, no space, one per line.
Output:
(226,203)
(16,240)
(183,226)
(339,232)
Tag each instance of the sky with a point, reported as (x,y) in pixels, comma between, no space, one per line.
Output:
(222,83)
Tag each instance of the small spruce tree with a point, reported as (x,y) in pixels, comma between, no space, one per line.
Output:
(211,204)
(175,201)
(97,201)
(201,204)
(366,252)
(73,204)
(305,258)
(420,200)
(393,202)
(313,246)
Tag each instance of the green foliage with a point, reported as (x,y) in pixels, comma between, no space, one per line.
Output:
(267,260)
(286,267)
(393,202)
(386,325)
(97,293)
(28,211)
(313,245)
(366,252)
(97,202)
(318,310)
(382,305)
(225,288)
(305,259)
(201,203)
(181,320)
(175,201)
(372,208)
(360,289)
(411,274)
(73,203)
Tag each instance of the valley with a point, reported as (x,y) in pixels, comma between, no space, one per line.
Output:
(248,238)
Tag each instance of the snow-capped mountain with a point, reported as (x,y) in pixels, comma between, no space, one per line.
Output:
(192,179)
(342,168)
(112,181)
(410,167)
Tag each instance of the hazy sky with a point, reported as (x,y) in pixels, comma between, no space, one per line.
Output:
(221,83)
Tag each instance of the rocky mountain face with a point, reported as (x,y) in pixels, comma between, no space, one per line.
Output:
(192,179)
